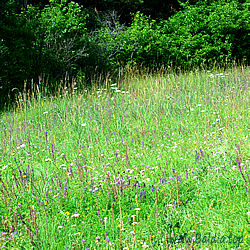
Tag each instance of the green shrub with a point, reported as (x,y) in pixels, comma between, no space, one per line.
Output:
(204,33)
(34,42)
(64,33)
(16,49)
(199,34)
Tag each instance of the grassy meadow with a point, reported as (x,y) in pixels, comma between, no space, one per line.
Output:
(155,161)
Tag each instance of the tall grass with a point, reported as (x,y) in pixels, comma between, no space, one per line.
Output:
(155,161)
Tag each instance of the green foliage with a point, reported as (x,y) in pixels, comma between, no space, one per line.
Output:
(62,39)
(206,33)
(37,42)
(198,34)
(105,43)
(63,28)
(16,51)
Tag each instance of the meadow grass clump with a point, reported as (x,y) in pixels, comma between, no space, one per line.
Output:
(153,162)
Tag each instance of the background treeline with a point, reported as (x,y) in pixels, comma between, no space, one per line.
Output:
(55,40)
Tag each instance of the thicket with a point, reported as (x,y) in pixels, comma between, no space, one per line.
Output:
(63,40)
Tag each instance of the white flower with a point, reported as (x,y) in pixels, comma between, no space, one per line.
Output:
(22,145)
(75,215)
(84,124)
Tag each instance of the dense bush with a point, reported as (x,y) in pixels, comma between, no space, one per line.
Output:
(206,33)
(16,48)
(34,42)
(199,34)
(61,37)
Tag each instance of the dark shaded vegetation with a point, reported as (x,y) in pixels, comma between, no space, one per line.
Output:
(49,42)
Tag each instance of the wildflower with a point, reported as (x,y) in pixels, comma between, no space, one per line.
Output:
(75,215)
(132,232)
(248,213)
(137,209)
(105,221)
